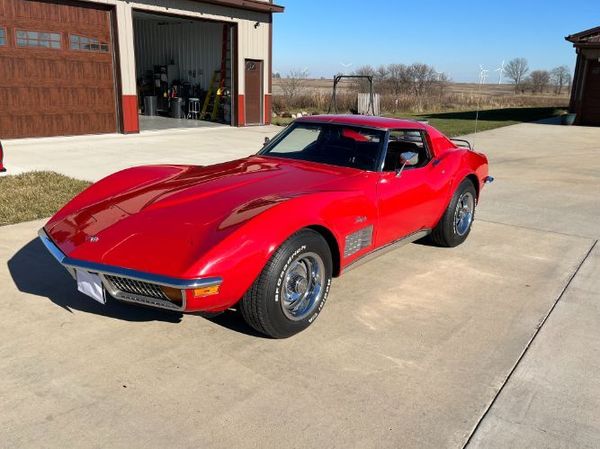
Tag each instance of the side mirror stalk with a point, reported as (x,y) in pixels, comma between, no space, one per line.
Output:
(400,170)
(407,158)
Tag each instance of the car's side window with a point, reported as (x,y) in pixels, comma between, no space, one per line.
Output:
(406,141)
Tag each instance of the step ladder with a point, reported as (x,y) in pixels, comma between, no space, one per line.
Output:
(218,82)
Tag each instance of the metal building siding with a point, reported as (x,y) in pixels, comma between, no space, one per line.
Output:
(253,44)
(190,45)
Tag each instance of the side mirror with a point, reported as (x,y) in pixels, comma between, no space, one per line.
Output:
(266,142)
(407,159)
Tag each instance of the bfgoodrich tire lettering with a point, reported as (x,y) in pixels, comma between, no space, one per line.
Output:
(293,287)
(455,225)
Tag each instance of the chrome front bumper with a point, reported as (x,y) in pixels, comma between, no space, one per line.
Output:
(130,285)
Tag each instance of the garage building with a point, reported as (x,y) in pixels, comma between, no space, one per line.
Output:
(87,67)
(585,94)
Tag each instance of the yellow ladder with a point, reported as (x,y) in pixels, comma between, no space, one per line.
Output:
(217,83)
(212,91)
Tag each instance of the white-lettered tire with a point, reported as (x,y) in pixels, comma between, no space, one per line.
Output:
(455,225)
(293,287)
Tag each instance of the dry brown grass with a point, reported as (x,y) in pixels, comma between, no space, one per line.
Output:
(34,195)
(315,96)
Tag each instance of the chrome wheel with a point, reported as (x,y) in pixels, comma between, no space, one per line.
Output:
(463,215)
(302,287)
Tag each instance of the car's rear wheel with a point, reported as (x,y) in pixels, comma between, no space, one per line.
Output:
(455,225)
(292,289)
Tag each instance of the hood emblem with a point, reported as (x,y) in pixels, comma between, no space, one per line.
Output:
(92,238)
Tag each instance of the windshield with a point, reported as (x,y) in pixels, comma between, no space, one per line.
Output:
(342,145)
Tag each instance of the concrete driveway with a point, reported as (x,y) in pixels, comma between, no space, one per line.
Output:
(94,157)
(422,348)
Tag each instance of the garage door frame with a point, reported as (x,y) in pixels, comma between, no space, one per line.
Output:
(234,52)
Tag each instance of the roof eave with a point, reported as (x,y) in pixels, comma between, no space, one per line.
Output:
(250,5)
(576,38)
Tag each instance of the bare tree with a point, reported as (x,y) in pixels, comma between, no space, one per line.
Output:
(423,77)
(515,70)
(382,73)
(381,78)
(539,80)
(293,84)
(365,70)
(399,80)
(561,77)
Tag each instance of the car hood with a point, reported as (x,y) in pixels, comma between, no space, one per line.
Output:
(163,225)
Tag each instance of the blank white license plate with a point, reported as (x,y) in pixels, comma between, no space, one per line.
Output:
(90,284)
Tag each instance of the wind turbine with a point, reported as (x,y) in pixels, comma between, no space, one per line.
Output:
(500,71)
(483,74)
(345,65)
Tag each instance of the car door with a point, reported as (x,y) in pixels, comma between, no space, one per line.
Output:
(414,198)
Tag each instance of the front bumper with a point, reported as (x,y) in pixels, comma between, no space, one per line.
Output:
(129,285)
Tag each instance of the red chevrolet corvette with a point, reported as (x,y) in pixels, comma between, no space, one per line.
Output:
(267,233)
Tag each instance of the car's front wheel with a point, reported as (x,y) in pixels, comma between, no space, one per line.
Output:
(292,289)
(455,225)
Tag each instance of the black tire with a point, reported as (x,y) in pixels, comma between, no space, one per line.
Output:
(447,233)
(264,304)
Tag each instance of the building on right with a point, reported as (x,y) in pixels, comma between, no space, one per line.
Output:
(585,93)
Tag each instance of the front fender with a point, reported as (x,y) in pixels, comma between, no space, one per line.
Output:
(242,255)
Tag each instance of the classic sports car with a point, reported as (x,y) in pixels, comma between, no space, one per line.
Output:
(266,234)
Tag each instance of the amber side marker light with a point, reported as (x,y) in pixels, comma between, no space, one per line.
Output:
(206,291)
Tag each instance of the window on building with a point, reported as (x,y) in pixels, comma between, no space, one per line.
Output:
(38,39)
(87,44)
(2,36)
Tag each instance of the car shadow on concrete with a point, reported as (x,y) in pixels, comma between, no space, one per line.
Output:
(234,321)
(36,272)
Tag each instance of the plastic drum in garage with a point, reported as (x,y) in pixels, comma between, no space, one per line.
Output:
(177,108)
(150,105)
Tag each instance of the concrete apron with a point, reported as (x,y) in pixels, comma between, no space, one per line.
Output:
(408,352)
(553,397)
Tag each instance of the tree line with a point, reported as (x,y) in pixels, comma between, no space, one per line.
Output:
(397,79)
(537,81)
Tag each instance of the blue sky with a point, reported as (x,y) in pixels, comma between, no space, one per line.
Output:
(454,36)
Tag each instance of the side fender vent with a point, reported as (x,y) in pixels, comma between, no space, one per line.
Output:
(361,239)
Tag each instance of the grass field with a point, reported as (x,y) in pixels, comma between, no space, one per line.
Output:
(459,123)
(463,122)
(34,195)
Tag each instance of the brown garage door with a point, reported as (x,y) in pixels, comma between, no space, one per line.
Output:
(56,69)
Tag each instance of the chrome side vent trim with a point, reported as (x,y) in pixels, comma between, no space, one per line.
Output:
(361,239)
(387,248)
